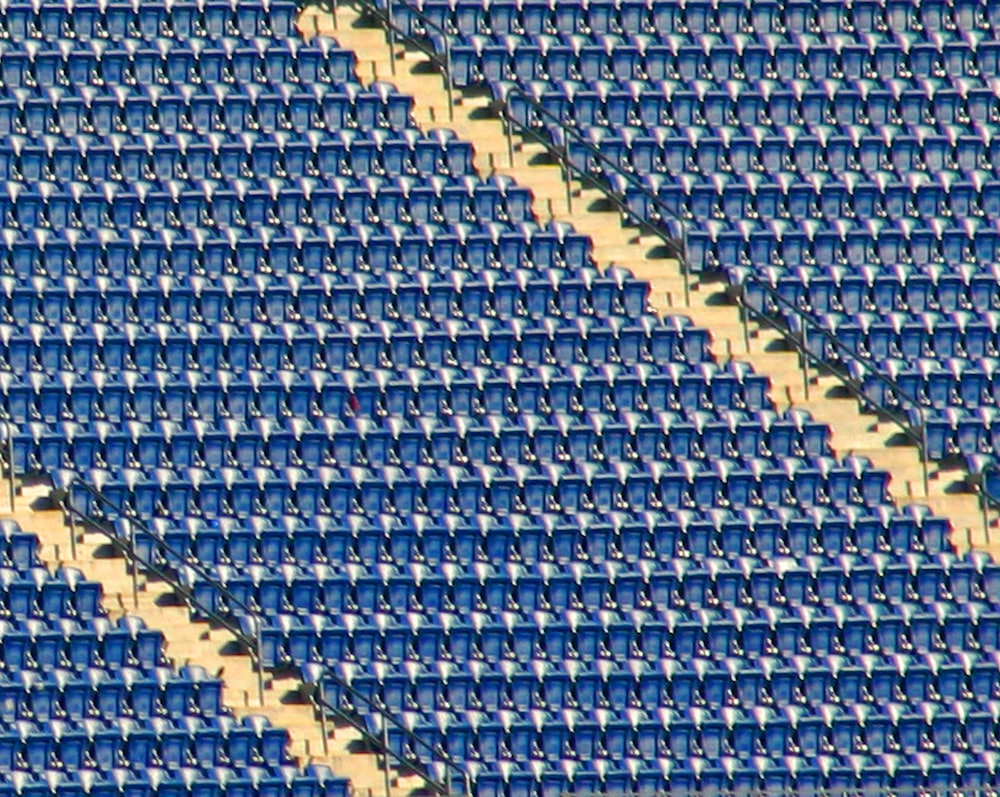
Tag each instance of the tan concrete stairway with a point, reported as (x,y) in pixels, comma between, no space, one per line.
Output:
(213,648)
(470,117)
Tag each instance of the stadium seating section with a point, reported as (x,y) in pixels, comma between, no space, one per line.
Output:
(446,458)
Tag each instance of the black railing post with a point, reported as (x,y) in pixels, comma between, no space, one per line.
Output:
(71,522)
(509,130)
(924,452)
(568,175)
(447,79)
(984,503)
(805,360)
(259,635)
(385,758)
(10,464)
(321,707)
(70,519)
(391,30)
(134,562)
(745,322)
(685,265)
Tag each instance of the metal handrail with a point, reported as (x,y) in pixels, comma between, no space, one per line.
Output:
(159,543)
(801,344)
(608,166)
(254,645)
(136,528)
(844,351)
(130,552)
(842,348)
(561,154)
(573,138)
(387,18)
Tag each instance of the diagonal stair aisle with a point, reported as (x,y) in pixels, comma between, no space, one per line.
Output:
(470,116)
(199,643)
